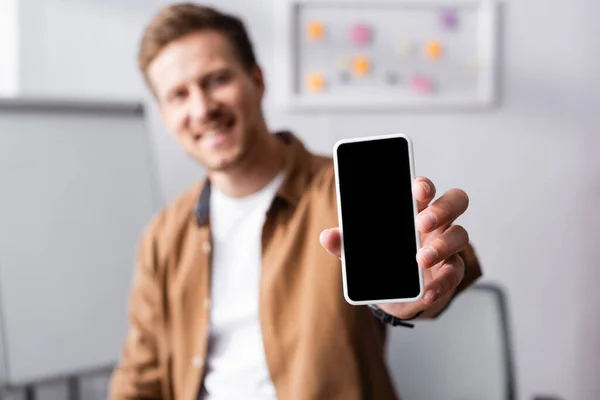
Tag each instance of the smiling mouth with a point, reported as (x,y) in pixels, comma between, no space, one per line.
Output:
(219,130)
(213,137)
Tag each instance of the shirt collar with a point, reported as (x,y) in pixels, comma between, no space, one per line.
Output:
(296,171)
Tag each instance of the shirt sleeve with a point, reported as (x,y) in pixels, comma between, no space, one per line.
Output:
(139,373)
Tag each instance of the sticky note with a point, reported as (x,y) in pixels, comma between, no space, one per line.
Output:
(433,49)
(404,47)
(448,19)
(361,65)
(361,34)
(391,77)
(343,62)
(315,30)
(315,82)
(422,84)
(344,77)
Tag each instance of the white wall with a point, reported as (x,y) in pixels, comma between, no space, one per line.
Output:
(9,56)
(88,49)
(81,48)
(529,165)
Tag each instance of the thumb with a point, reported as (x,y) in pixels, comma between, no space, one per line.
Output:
(331,240)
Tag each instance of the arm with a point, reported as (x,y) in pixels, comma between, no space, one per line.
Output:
(139,373)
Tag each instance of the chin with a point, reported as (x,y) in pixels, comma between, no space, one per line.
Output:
(220,158)
(224,162)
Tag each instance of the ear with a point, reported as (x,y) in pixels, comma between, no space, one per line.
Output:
(258,79)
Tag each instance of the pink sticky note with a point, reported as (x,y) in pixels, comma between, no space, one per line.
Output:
(422,84)
(361,34)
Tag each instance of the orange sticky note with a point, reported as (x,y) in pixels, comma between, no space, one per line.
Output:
(316,30)
(316,82)
(361,65)
(433,50)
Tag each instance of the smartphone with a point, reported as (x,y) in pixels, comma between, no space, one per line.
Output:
(377,219)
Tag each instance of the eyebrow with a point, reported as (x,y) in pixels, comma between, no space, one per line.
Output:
(201,79)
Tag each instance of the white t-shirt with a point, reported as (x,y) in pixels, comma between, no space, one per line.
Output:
(236,367)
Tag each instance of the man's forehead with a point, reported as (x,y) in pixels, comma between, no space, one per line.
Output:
(203,52)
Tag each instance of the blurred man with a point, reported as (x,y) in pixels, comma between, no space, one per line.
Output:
(238,288)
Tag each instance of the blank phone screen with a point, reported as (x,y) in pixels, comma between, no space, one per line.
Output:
(378,224)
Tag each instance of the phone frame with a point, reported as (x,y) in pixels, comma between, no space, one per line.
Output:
(340,221)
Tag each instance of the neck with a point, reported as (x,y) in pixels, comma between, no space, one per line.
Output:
(262,163)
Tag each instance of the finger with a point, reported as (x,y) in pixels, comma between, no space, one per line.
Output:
(446,280)
(423,191)
(453,240)
(331,240)
(443,211)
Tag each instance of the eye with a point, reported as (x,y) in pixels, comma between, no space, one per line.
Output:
(178,95)
(218,80)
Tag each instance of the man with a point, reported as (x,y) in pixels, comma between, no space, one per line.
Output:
(238,291)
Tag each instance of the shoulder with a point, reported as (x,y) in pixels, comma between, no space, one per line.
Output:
(323,173)
(321,191)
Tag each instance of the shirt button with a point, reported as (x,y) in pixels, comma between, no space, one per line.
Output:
(206,303)
(206,247)
(198,362)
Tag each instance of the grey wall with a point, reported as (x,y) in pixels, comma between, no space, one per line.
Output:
(529,165)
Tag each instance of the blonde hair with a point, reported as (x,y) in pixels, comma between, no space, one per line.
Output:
(179,20)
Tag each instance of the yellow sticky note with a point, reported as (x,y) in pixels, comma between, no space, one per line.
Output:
(361,65)
(343,62)
(315,82)
(434,49)
(404,47)
(315,30)
(474,63)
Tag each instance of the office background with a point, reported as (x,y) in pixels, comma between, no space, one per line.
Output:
(529,164)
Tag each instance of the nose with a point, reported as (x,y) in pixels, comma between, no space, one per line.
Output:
(200,105)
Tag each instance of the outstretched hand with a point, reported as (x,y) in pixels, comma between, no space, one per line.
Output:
(441,241)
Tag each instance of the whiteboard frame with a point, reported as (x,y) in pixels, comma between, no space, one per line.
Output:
(488,43)
(4,362)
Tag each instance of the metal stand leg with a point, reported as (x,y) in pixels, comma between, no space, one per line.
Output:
(29,391)
(73,388)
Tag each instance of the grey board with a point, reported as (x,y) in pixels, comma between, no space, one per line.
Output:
(77,187)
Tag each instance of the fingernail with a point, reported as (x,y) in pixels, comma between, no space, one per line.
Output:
(427,221)
(322,235)
(427,256)
(425,187)
(430,296)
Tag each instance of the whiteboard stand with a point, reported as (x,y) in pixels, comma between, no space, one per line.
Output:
(321,43)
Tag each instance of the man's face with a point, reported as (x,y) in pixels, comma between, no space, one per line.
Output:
(207,98)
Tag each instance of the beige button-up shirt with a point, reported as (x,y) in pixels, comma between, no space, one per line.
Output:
(317,346)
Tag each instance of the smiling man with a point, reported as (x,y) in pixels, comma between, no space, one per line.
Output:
(238,289)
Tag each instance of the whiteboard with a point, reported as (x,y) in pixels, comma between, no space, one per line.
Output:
(387,54)
(77,187)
